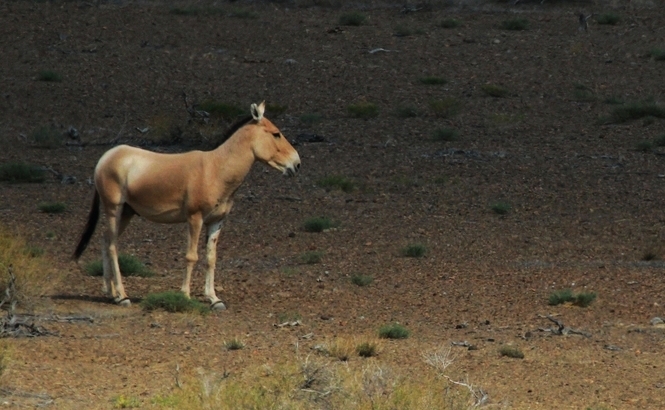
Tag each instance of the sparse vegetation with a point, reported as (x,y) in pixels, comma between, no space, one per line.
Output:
(608,18)
(367,349)
(47,137)
(515,24)
(311,118)
(228,112)
(311,257)
(582,299)
(234,344)
(511,351)
(129,266)
(445,134)
(445,108)
(174,302)
(414,250)
(364,110)
(393,331)
(450,23)
(432,80)
(17,172)
(337,182)
(52,207)
(493,90)
(318,224)
(501,208)
(658,54)
(49,76)
(362,280)
(352,19)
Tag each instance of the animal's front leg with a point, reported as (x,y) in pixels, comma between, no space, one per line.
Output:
(195,224)
(211,259)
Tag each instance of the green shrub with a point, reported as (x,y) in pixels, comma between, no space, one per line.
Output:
(393,331)
(173,301)
(311,257)
(352,19)
(431,80)
(414,250)
(364,110)
(129,266)
(449,23)
(494,90)
(337,182)
(658,54)
(49,76)
(515,24)
(311,118)
(21,172)
(501,208)
(608,18)
(52,207)
(511,351)
(366,349)
(47,137)
(445,108)
(234,344)
(361,280)
(227,111)
(445,134)
(319,224)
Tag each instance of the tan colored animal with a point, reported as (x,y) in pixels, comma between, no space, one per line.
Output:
(195,187)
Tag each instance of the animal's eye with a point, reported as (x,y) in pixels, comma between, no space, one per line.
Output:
(276,134)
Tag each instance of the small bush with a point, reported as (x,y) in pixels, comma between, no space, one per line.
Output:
(393,331)
(16,172)
(47,137)
(52,207)
(445,134)
(337,182)
(501,208)
(494,90)
(515,24)
(367,349)
(364,110)
(511,351)
(352,19)
(414,250)
(449,23)
(608,18)
(228,112)
(174,302)
(49,76)
(658,54)
(311,118)
(319,224)
(311,257)
(361,280)
(234,344)
(446,108)
(433,80)
(129,266)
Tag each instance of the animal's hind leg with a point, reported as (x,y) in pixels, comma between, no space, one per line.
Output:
(125,217)
(195,224)
(211,259)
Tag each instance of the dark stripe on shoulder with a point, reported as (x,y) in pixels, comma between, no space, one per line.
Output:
(235,127)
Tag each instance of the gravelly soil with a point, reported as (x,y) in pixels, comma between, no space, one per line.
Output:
(585,204)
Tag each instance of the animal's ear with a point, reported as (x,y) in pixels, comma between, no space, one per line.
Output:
(258,110)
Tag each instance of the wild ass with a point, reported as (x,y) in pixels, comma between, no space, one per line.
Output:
(195,187)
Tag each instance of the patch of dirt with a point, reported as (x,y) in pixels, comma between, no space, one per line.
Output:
(586,206)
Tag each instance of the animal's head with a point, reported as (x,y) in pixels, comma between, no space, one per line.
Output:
(270,145)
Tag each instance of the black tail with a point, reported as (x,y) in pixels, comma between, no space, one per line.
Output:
(93,217)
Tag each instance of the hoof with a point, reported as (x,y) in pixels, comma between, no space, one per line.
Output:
(123,302)
(219,305)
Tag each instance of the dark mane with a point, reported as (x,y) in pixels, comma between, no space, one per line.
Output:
(239,123)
